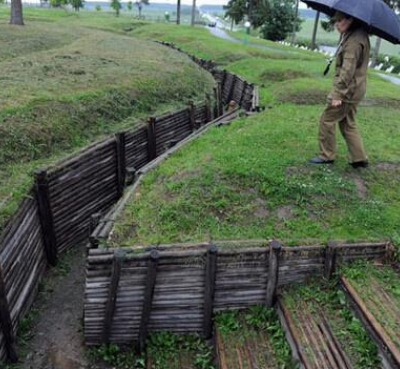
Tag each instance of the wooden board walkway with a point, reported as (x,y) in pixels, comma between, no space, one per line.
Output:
(311,337)
(379,310)
(251,351)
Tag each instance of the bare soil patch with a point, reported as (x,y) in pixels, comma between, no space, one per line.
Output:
(57,338)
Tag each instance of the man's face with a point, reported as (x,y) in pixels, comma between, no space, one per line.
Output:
(342,24)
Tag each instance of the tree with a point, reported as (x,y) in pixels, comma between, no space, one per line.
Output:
(314,36)
(129,5)
(58,3)
(193,13)
(116,6)
(275,18)
(235,10)
(139,4)
(77,4)
(395,5)
(16,13)
(98,8)
(178,12)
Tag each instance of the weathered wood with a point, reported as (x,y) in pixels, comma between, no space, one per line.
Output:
(385,344)
(148,298)
(119,257)
(152,144)
(231,89)
(209,289)
(6,323)
(330,260)
(209,110)
(292,335)
(192,119)
(121,162)
(131,173)
(273,272)
(46,216)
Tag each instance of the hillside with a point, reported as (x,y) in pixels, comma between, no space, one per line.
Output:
(251,179)
(65,84)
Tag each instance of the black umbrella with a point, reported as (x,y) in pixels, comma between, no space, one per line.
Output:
(380,19)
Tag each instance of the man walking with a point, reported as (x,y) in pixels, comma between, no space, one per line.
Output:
(349,88)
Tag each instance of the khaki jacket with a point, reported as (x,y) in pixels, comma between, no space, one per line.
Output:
(352,60)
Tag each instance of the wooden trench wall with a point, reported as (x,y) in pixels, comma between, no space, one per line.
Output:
(179,288)
(56,214)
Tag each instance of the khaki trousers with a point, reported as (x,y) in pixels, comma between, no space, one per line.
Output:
(345,115)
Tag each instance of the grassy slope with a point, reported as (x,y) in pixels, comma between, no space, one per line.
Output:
(65,84)
(250,179)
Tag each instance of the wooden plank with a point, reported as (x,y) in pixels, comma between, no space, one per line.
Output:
(273,272)
(152,144)
(46,216)
(209,291)
(6,323)
(119,257)
(121,162)
(292,335)
(330,260)
(148,298)
(386,346)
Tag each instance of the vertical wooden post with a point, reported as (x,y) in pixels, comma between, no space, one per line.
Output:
(209,110)
(330,259)
(216,102)
(232,89)
(130,175)
(273,272)
(46,216)
(209,289)
(151,134)
(93,240)
(121,162)
(148,298)
(220,100)
(243,93)
(6,323)
(119,257)
(192,116)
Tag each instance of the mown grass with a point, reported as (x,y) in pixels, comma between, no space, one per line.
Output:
(65,84)
(251,180)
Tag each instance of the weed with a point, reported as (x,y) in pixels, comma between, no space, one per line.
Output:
(165,350)
(347,328)
(113,355)
(235,326)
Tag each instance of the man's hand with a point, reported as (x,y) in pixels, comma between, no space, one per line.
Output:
(336,103)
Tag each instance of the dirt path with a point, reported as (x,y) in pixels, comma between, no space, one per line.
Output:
(57,338)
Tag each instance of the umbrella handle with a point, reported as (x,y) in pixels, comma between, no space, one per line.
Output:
(328,67)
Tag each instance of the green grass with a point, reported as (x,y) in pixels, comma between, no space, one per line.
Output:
(253,326)
(69,79)
(166,350)
(352,337)
(251,180)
